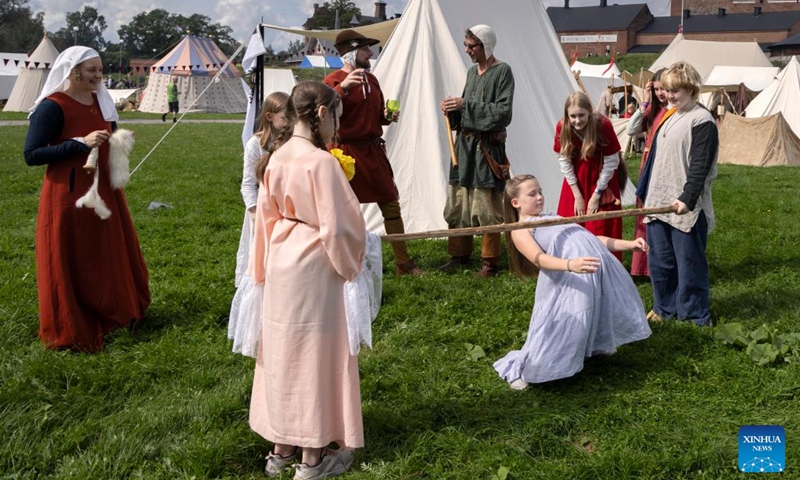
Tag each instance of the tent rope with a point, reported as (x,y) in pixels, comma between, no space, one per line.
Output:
(186,110)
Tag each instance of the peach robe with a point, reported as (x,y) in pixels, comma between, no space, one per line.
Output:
(309,239)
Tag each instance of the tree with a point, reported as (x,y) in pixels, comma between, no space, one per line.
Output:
(160,30)
(83,28)
(325,16)
(20,29)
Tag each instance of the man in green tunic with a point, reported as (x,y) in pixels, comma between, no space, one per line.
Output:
(480,117)
(172,99)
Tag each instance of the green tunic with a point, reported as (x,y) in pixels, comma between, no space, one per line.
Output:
(488,100)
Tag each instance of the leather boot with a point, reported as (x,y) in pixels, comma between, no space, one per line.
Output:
(409,268)
(455,261)
(489,267)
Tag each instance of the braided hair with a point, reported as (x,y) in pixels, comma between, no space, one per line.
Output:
(302,106)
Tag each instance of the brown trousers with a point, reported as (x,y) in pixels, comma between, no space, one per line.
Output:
(491,245)
(393,223)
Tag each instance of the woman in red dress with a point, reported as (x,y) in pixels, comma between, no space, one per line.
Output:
(647,119)
(588,153)
(90,273)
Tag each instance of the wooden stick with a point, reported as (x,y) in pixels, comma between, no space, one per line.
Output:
(507,227)
(453,158)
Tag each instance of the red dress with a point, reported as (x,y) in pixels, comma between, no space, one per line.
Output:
(639,259)
(90,273)
(588,171)
(360,130)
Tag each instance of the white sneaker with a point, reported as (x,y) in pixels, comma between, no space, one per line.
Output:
(278,463)
(518,384)
(331,463)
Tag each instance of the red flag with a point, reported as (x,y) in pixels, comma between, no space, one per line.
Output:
(574,58)
(610,64)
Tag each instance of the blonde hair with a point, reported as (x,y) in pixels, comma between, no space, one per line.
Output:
(517,262)
(274,103)
(591,134)
(302,106)
(682,75)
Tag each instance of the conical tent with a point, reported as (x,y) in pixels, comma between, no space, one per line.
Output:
(782,95)
(32,76)
(195,63)
(423,62)
(704,55)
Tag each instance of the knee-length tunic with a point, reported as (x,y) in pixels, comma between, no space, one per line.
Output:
(90,273)
(309,239)
(575,315)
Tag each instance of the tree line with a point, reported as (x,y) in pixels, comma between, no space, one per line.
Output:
(148,35)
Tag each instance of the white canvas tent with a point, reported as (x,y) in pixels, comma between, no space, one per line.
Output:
(782,95)
(704,55)
(33,74)
(729,77)
(9,69)
(195,62)
(758,142)
(424,62)
(595,79)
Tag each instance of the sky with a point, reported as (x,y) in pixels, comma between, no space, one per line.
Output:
(243,15)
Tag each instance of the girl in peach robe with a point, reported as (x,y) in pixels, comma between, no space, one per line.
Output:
(309,240)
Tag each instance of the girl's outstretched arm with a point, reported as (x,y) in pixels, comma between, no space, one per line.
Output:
(527,246)
(617,245)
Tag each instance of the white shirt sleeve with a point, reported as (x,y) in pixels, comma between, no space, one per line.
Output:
(567,169)
(610,164)
(252,152)
(636,122)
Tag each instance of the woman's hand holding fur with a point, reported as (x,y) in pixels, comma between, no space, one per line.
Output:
(97,138)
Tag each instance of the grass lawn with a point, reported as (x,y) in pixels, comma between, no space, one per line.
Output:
(170,400)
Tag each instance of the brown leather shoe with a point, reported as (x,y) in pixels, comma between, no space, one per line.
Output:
(455,261)
(409,268)
(489,268)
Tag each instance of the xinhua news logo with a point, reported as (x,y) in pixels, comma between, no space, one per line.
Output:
(762,449)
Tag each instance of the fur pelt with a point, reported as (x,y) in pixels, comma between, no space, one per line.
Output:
(120,145)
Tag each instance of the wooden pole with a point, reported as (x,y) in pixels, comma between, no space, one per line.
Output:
(507,227)
(453,158)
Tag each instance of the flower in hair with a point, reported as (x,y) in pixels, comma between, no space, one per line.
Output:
(347,163)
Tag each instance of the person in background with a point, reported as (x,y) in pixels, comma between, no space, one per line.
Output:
(679,171)
(244,324)
(588,153)
(480,117)
(90,273)
(172,99)
(364,117)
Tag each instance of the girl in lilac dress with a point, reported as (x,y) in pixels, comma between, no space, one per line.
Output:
(586,303)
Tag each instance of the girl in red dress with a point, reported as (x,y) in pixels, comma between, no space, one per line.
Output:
(588,153)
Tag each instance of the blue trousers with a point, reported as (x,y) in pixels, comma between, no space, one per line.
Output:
(679,271)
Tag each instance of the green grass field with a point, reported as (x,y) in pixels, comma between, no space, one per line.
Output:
(170,400)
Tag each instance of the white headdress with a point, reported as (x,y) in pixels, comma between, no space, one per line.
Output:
(58,80)
(488,38)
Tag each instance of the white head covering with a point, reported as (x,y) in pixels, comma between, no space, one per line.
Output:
(58,80)
(350,57)
(487,37)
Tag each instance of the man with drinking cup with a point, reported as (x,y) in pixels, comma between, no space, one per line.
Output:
(360,131)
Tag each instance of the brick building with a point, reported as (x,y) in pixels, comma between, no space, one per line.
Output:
(774,24)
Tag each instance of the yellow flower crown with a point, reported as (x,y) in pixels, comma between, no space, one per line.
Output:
(347,162)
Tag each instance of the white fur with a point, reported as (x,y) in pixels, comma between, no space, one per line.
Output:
(120,145)
(92,200)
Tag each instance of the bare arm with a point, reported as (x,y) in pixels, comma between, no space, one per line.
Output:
(617,245)
(528,247)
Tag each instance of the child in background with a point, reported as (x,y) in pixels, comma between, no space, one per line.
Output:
(588,153)
(244,326)
(586,303)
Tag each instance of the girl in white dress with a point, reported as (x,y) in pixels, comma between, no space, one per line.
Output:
(586,303)
(244,326)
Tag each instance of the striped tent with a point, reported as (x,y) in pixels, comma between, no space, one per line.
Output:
(194,63)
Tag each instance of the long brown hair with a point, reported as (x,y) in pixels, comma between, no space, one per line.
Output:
(274,104)
(591,135)
(655,103)
(517,262)
(302,106)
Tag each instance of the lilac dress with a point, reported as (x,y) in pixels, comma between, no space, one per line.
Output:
(575,315)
